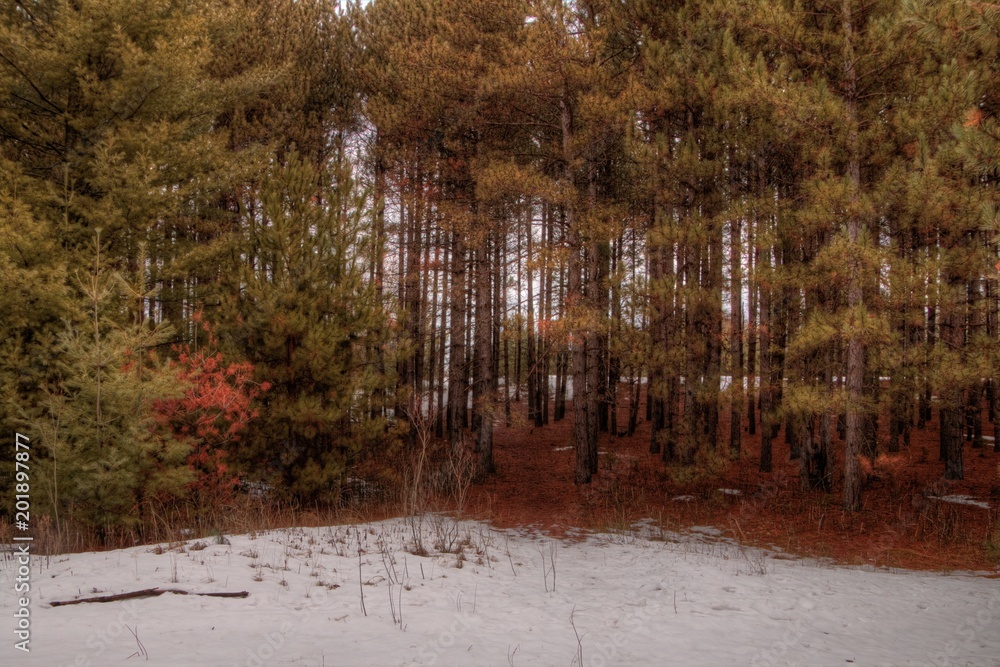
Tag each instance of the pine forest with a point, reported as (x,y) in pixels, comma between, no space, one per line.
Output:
(267,259)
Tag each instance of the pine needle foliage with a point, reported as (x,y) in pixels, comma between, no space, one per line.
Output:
(310,321)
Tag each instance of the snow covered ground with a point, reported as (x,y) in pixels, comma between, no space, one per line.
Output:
(489,597)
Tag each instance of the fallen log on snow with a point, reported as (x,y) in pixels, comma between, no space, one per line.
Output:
(147,593)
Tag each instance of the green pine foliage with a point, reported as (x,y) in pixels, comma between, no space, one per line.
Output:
(106,464)
(309,319)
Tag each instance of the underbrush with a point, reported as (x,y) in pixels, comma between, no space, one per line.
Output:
(415,482)
(906,522)
(241,513)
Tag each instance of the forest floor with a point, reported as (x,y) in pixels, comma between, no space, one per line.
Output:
(911,518)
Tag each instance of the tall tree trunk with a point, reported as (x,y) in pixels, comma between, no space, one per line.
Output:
(432,285)
(499,304)
(544,338)
(414,302)
(735,338)
(457,387)
(993,386)
(673,258)
(615,329)
(856,370)
(594,366)
(468,412)
(505,338)
(377,276)
(766,417)
(656,382)
(403,360)
(952,395)
(752,333)
(531,339)
(521,264)
(562,361)
(694,348)
(578,356)
(594,301)
(575,302)
(713,316)
(482,388)
(442,333)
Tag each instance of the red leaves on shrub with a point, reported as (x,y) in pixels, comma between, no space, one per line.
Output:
(216,406)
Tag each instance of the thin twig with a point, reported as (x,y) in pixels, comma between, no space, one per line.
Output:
(142,649)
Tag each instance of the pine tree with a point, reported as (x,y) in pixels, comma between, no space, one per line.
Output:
(107,464)
(824,65)
(955,161)
(683,159)
(309,320)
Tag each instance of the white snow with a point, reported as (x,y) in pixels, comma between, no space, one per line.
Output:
(640,598)
(959,499)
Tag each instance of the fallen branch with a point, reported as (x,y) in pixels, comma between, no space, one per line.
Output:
(147,593)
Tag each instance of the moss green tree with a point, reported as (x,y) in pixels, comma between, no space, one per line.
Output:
(106,464)
(309,319)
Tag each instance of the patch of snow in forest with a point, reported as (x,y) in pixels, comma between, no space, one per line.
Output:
(358,595)
(959,499)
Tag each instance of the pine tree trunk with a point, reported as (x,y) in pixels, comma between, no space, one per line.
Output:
(974,405)
(766,434)
(578,362)
(993,384)
(562,362)
(614,361)
(532,357)
(735,339)
(544,340)
(931,336)
(521,264)
(457,388)
(442,334)
(499,305)
(502,270)
(752,393)
(952,412)
(575,301)
(655,384)
(414,304)
(670,381)
(402,361)
(713,325)
(482,388)
(594,366)
(468,412)
(855,371)
(432,285)
(694,350)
